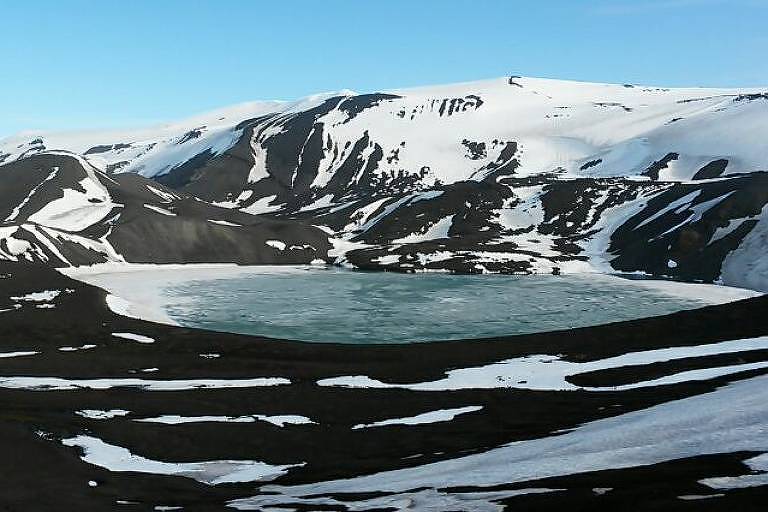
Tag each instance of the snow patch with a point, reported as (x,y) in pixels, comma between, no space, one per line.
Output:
(280,420)
(159,210)
(420,419)
(277,244)
(133,337)
(119,459)
(95,414)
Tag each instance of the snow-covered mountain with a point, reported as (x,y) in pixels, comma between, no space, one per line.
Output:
(509,175)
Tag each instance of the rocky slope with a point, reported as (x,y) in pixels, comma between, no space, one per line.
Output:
(102,412)
(60,210)
(511,175)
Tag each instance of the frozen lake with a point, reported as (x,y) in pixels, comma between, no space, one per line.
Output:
(336,305)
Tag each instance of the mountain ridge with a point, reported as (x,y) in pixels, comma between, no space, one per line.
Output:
(514,175)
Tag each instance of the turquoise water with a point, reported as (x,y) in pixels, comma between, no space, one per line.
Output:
(334,305)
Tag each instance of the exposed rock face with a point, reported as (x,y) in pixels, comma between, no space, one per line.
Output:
(515,175)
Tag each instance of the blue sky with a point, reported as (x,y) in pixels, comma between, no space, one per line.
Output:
(94,63)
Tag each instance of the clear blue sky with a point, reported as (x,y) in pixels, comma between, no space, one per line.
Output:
(98,63)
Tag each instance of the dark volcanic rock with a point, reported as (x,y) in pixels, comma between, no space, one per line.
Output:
(713,169)
(354,105)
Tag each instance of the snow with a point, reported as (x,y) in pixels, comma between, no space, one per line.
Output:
(76,349)
(75,211)
(544,372)
(389,208)
(361,215)
(262,206)
(44,237)
(159,210)
(387,259)
(747,265)
(61,384)
(146,303)
(8,355)
(277,244)
(326,200)
(724,231)
(698,211)
(280,420)
(431,500)
(729,419)
(17,209)
(558,124)
(133,337)
(341,246)
(437,230)
(225,223)
(95,414)
(39,233)
(17,247)
(44,296)
(420,419)
(118,459)
(627,142)
(703,293)
(167,197)
(678,205)
(528,212)
(426,196)
(156,150)
(425,259)
(759,465)
(117,304)
(694,497)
